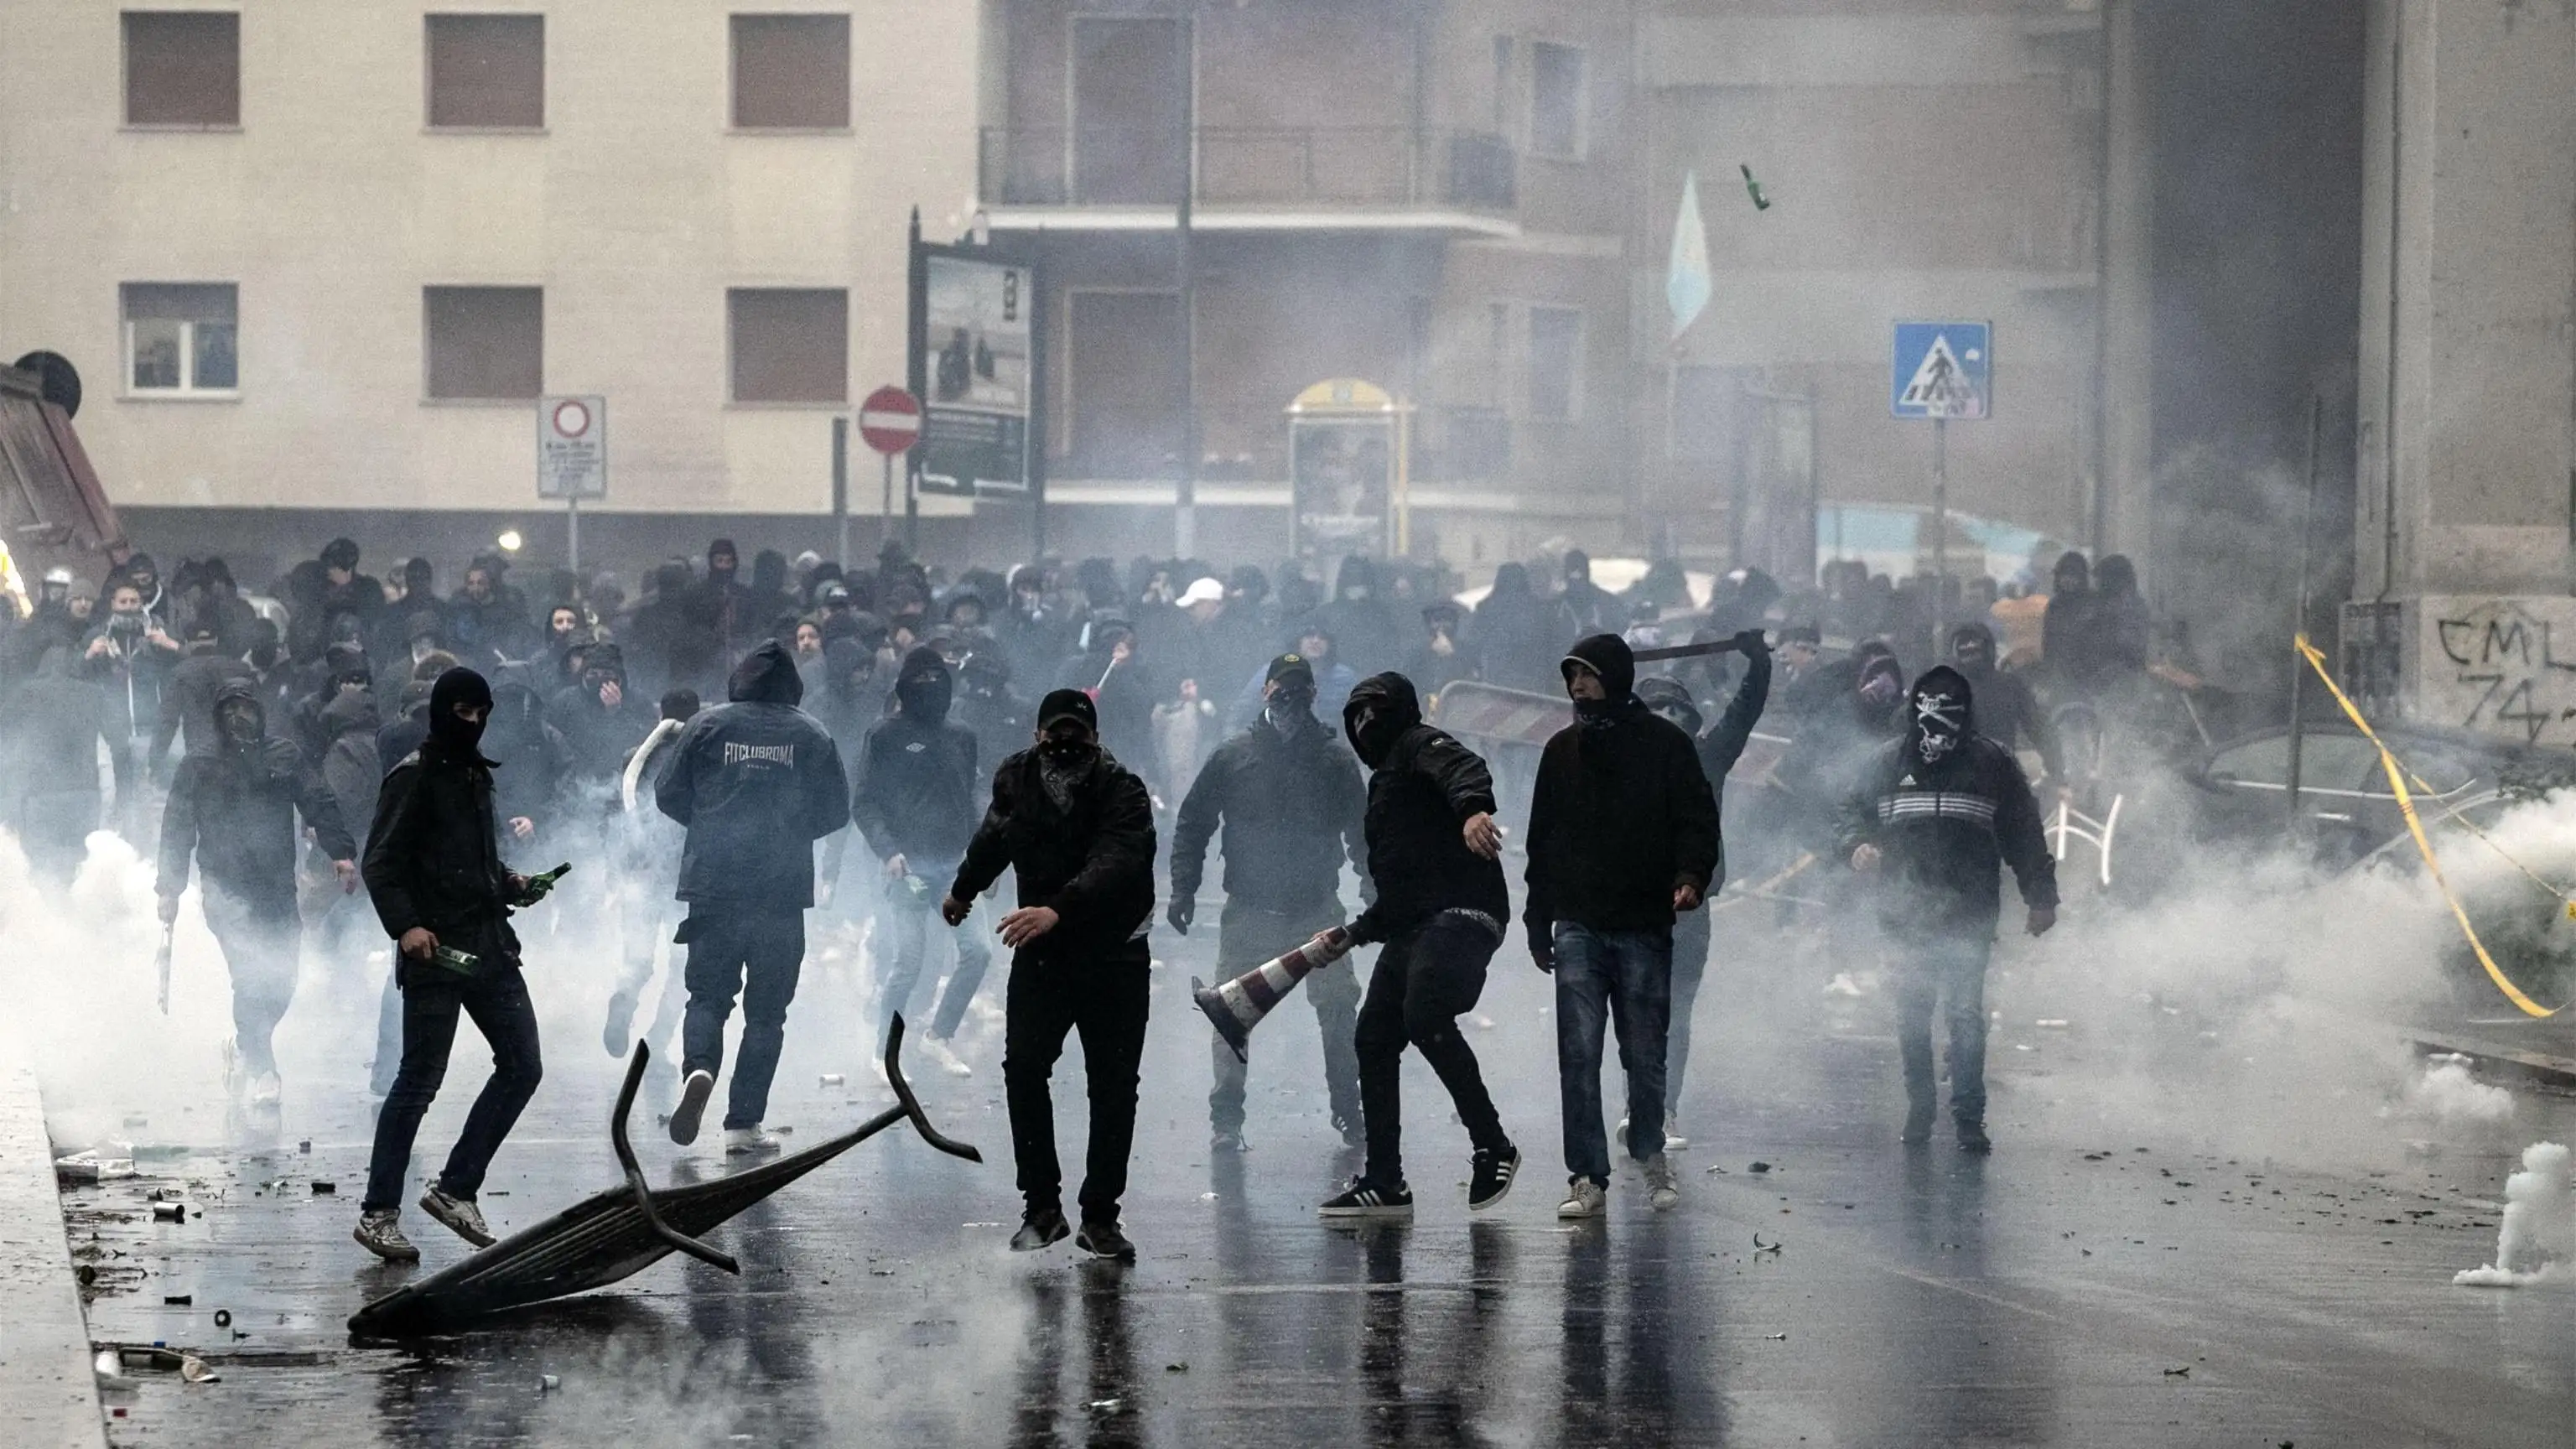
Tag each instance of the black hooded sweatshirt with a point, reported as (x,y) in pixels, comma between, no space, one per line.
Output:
(1423,788)
(914,789)
(234,806)
(1090,860)
(756,781)
(1621,814)
(434,854)
(1943,829)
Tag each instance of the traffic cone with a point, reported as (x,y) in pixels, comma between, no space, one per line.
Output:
(1236,1007)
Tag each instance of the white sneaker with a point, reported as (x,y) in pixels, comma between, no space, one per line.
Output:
(1663,1193)
(694,1093)
(1584,1198)
(749,1142)
(944,1057)
(1674,1141)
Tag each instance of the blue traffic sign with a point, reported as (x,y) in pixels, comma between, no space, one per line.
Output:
(1943,370)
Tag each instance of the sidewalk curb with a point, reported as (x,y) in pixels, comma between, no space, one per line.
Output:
(48,1395)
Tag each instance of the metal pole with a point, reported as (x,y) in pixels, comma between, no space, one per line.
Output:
(1940,528)
(572,536)
(885,510)
(1185,491)
(2298,662)
(841,488)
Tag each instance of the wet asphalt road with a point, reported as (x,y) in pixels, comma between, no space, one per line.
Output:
(2098,1281)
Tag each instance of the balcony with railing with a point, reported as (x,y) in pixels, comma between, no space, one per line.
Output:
(1249,176)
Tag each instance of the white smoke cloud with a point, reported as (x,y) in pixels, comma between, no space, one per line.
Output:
(2537,1241)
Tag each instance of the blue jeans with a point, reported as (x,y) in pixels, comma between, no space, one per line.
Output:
(755,953)
(903,926)
(1622,979)
(1949,966)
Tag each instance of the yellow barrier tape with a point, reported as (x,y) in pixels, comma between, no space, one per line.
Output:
(2415,826)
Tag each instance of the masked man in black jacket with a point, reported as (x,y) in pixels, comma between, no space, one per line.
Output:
(756,782)
(232,807)
(1720,746)
(1434,855)
(1623,836)
(1938,811)
(913,800)
(1290,801)
(1078,828)
(434,871)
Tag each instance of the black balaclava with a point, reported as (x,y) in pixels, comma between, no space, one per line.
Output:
(1972,650)
(458,686)
(1938,718)
(1064,754)
(1381,708)
(722,548)
(924,687)
(1291,706)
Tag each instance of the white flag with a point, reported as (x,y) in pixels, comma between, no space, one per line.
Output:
(1687,284)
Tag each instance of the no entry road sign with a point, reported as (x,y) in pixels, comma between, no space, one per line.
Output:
(890,420)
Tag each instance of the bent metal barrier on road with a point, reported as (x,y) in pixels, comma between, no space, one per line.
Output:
(624,1230)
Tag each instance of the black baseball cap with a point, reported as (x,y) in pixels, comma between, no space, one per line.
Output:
(1290,666)
(1070,704)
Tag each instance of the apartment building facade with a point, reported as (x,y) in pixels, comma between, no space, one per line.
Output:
(323,257)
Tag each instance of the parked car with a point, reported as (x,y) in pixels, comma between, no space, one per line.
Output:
(2346,806)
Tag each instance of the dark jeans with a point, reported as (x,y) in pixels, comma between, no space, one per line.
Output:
(755,953)
(1611,978)
(1423,979)
(1106,1000)
(260,944)
(498,1002)
(904,924)
(1250,936)
(1690,967)
(1951,966)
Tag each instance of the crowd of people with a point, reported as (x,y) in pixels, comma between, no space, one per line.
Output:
(727,752)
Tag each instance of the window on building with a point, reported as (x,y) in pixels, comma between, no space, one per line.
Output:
(1555,362)
(1503,86)
(1704,403)
(1556,101)
(1123,378)
(484,343)
(790,345)
(487,71)
(182,68)
(791,72)
(181,337)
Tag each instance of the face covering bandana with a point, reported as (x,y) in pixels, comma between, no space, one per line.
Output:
(241,724)
(1288,709)
(1060,763)
(1940,722)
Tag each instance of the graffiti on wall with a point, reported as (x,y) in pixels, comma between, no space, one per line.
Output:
(2500,666)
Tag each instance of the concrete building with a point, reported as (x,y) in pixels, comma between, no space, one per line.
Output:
(1423,197)
(2467,399)
(1950,162)
(315,259)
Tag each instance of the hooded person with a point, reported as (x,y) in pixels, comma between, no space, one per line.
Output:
(601,723)
(1518,634)
(1077,829)
(2007,711)
(1718,747)
(1442,657)
(53,729)
(233,809)
(755,782)
(1123,682)
(1623,836)
(1594,608)
(530,757)
(2066,630)
(187,715)
(1289,800)
(987,705)
(914,798)
(1434,858)
(434,871)
(1362,621)
(1936,814)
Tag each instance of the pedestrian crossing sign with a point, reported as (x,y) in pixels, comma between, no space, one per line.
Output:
(1943,370)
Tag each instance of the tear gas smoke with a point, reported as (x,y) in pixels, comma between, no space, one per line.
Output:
(2537,1242)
